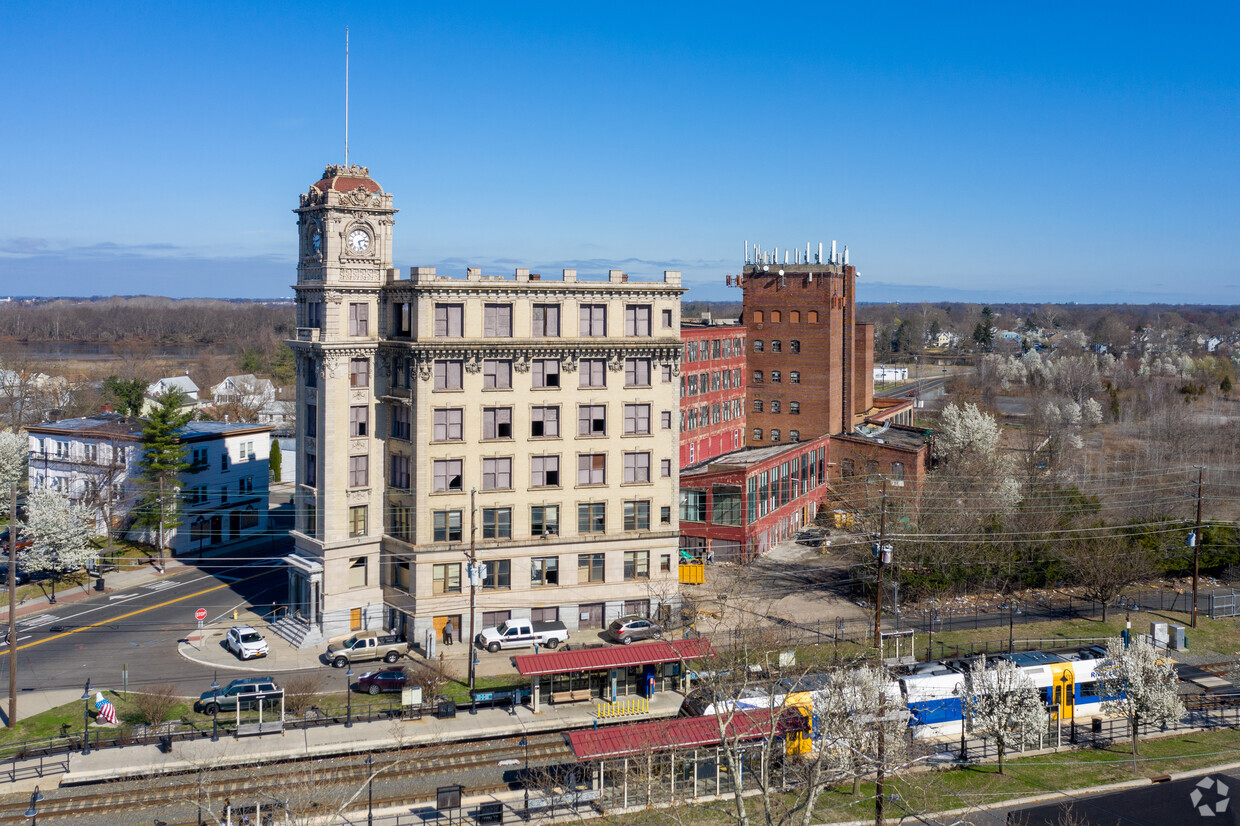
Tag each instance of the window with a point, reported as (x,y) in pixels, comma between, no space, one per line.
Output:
(544,471)
(544,570)
(871,470)
(637,372)
(794,345)
(359,471)
(400,422)
(449,320)
(314,314)
(546,373)
(400,472)
(200,458)
(897,471)
(497,423)
(757,376)
(359,420)
(848,468)
(448,375)
(665,515)
(758,345)
(637,516)
(812,316)
(545,520)
(794,435)
(775,377)
(775,406)
(794,377)
(757,434)
(357,572)
(592,517)
(497,523)
(496,374)
(545,422)
(546,322)
(497,474)
(447,475)
(636,467)
(665,563)
(551,614)
(725,504)
(357,520)
(312,373)
(637,320)
(637,564)
(447,526)
(448,425)
(446,578)
(777,346)
(775,316)
(637,419)
(359,372)
(312,420)
(665,468)
(665,420)
(667,319)
(591,567)
(592,320)
(591,420)
(794,317)
(666,370)
(402,320)
(359,319)
(312,470)
(311,519)
(592,469)
(775,434)
(757,405)
(498,576)
(794,408)
(400,574)
(692,505)
(593,372)
(497,320)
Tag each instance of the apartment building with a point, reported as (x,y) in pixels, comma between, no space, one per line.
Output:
(712,390)
(534,420)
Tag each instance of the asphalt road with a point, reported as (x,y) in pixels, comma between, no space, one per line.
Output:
(139,628)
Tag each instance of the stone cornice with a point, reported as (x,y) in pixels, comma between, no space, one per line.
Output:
(532,290)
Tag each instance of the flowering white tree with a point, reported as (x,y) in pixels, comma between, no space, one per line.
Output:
(61,532)
(857,706)
(14,456)
(1002,703)
(1139,682)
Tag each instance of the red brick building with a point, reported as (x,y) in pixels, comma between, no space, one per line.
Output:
(712,390)
(739,504)
(861,460)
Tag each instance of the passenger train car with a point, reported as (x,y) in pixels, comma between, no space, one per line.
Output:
(933,693)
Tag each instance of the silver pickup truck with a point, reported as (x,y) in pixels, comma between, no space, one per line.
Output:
(361,646)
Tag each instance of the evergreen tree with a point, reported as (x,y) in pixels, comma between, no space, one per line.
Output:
(274,462)
(125,396)
(161,465)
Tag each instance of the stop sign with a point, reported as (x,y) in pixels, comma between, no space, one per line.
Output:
(200,614)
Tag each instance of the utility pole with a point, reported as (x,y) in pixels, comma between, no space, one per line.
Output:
(473,585)
(882,553)
(13,604)
(1197,543)
(880,773)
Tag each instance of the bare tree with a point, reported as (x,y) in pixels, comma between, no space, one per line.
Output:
(1107,565)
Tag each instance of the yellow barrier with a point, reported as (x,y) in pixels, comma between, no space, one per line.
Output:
(621,708)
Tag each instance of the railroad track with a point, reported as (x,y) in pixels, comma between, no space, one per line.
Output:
(403,776)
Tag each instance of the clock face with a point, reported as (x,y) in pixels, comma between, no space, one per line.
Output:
(359,241)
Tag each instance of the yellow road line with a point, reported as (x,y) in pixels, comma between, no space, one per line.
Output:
(130,614)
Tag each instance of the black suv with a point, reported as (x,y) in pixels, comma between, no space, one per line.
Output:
(244,693)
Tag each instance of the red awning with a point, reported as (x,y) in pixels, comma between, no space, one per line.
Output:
(619,656)
(680,733)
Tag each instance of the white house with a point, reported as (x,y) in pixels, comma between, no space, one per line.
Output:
(246,390)
(95,459)
(157,388)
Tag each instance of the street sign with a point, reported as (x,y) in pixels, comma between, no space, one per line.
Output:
(200,614)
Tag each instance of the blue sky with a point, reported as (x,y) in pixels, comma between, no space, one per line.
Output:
(987,151)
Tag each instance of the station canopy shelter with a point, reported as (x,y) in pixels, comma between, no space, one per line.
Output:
(638,670)
(656,762)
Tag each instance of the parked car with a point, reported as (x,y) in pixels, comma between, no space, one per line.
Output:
(811,538)
(625,630)
(24,540)
(245,642)
(361,646)
(521,633)
(244,693)
(22,576)
(374,682)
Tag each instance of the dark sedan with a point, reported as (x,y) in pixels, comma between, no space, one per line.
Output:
(375,682)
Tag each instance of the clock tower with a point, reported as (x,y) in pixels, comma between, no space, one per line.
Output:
(344,230)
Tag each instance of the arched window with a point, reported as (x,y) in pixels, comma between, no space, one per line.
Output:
(775,406)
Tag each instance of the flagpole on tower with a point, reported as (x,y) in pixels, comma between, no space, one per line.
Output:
(346,95)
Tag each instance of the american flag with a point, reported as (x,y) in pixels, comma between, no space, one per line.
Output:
(107,711)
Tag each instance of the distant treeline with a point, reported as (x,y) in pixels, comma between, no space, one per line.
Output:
(146,319)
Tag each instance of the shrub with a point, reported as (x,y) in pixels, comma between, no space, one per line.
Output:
(301,690)
(154,705)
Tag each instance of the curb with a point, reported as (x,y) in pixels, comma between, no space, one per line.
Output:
(184,648)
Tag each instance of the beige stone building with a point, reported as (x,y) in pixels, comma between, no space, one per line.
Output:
(537,417)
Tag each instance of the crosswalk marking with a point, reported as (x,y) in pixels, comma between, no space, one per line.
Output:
(162,585)
(35,622)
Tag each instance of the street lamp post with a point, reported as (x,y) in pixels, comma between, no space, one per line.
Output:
(36,797)
(370,790)
(215,708)
(348,690)
(86,719)
(1013,610)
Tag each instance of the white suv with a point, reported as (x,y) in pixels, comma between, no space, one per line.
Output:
(245,642)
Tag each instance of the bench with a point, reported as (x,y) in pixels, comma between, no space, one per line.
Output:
(579,695)
(266,727)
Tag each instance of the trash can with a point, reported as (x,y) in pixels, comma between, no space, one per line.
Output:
(99,583)
(165,743)
(447,710)
(1095,725)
